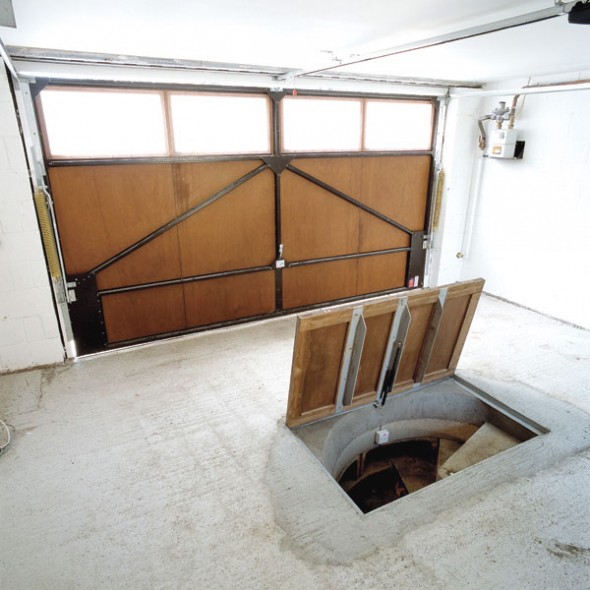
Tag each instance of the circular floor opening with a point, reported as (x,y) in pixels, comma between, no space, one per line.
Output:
(389,472)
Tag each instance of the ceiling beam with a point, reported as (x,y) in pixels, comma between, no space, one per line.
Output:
(559,9)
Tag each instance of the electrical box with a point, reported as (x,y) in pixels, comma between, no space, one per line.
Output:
(382,437)
(502,143)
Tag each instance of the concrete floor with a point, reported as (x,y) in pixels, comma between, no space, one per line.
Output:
(169,466)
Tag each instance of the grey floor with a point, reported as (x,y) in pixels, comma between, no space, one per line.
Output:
(169,466)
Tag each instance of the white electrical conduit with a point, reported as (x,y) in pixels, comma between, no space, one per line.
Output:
(540,89)
(474,192)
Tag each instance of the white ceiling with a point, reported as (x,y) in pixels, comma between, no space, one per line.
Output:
(305,34)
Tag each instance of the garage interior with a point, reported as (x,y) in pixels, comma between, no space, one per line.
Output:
(182,183)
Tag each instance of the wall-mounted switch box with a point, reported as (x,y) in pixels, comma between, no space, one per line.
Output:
(502,143)
(382,437)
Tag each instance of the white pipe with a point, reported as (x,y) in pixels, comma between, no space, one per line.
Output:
(542,89)
(474,194)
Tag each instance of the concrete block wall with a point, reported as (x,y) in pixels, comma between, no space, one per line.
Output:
(29,333)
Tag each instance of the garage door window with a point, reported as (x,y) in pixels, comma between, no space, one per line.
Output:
(217,124)
(321,124)
(98,123)
(393,125)
(325,124)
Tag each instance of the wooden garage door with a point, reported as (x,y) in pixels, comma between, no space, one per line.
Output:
(171,243)
(337,207)
(214,266)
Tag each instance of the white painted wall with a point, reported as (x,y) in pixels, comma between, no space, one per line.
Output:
(531,236)
(459,151)
(29,333)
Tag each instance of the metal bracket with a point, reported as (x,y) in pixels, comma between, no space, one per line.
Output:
(71,291)
(357,330)
(393,353)
(86,316)
(277,163)
(434,325)
(416,260)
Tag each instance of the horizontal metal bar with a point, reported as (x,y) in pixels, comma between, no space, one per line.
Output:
(227,89)
(183,280)
(558,9)
(164,228)
(501,406)
(355,94)
(359,154)
(54,56)
(57,56)
(56,163)
(266,316)
(570,86)
(242,271)
(345,257)
(349,199)
(399,80)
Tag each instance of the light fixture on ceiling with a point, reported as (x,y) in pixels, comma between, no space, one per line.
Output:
(579,14)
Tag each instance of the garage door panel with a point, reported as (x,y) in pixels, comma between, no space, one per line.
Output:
(325,347)
(316,283)
(448,332)
(158,260)
(235,232)
(197,181)
(397,186)
(229,298)
(381,273)
(315,223)
(143,313)
(343,174)
(101,210)
(376,234)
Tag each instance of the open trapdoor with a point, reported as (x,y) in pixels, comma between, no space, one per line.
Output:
(353,357)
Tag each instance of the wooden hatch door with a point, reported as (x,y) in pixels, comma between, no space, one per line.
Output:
(356,355)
